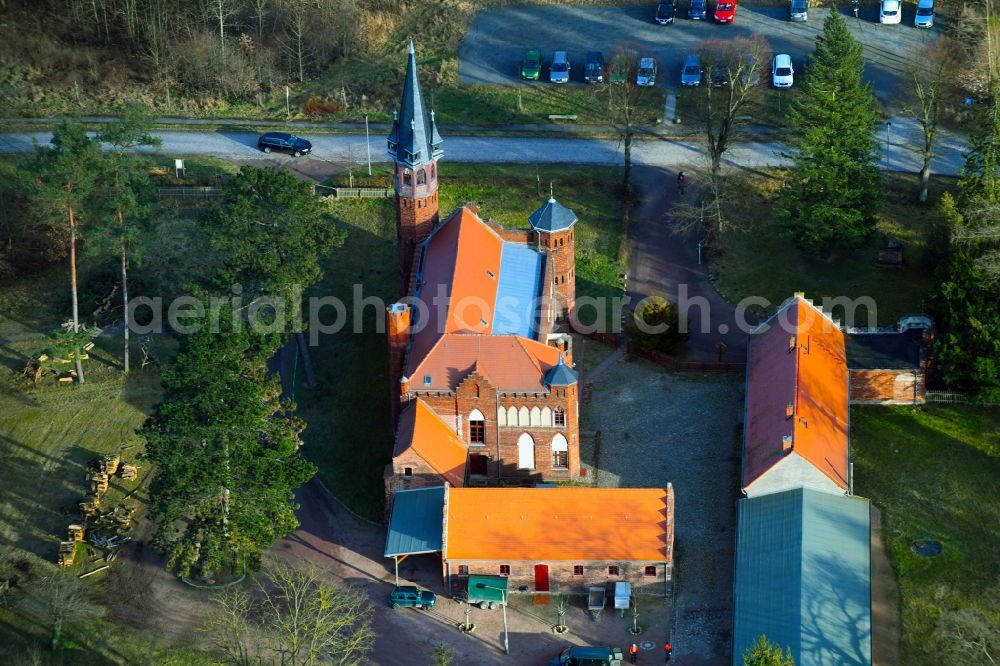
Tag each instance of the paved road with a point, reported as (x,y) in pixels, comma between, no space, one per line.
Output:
(497,39)
(903,154)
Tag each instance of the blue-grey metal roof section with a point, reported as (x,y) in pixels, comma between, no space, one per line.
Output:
(416,522)
(803,577)
(414,139)
(552,216)
(516,309)
(561,375)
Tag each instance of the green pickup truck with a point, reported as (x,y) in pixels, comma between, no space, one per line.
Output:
(531,68)
(409,596)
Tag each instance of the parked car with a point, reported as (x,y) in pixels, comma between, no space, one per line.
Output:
(782,72)
(725,11)
(750,75)
(799,10)
(594,70)
(577,655)
(284,142)
(889,12)
(665,12)
(720,77)
(691,71)
(925,14)
(646,76)
(409,596)
(697,10)
(531,68)
(559,69)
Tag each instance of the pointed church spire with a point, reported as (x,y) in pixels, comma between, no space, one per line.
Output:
(414,139)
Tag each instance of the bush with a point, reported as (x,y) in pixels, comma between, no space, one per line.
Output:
(656,326)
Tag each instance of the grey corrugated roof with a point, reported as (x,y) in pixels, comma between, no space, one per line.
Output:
(803,577)
(885,351)
(552,216)
(560,375)
(414,139)
(415,526)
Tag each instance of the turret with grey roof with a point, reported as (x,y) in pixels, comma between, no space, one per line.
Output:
(560,375)
(552,216)
(414,139)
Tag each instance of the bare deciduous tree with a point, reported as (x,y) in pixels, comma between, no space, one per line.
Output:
(930,71)
(294,618)
(623,97)
(740,62)
(63,602)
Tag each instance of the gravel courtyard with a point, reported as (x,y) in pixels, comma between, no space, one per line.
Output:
(657,427)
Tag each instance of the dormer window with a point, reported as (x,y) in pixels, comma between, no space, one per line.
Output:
(392,147)
(421,177)
(407,177)
(427,380)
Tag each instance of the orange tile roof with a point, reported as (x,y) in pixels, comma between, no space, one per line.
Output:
(549,524)
(423,431)
(510,362)
(457,263)
(812,376)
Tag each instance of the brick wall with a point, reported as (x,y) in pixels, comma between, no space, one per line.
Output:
(886,387)
(562,579)
(562,256)
(476,392)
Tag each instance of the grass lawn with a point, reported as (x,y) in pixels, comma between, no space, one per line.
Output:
(348,432)
(757,260)
(934,472)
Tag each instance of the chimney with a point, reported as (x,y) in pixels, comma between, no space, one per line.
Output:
(787,444)
(789,410)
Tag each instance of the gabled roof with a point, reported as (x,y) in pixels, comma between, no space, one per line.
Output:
(552,216)
(422,431)
(472,281)
(796,393)
(803,577)
(414,138)
(551,524)
(509,362)
(561,375)
(415,526)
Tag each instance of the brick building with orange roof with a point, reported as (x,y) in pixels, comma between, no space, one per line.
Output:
(476,360)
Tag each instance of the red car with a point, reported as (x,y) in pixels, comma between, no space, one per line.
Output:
(725,11)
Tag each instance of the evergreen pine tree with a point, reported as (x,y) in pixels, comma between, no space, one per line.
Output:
(833,192)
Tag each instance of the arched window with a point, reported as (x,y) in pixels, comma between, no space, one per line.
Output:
(512,416)
(407,177)
(536,416)
(477,428)
(433,170)
(501,416)
(560,451)
(421,177)
(559,417)
(525,452)
(546,417)
(522,417)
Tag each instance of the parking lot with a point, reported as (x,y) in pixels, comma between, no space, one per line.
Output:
(498,39)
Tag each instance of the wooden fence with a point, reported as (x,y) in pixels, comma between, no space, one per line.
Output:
(190,192)
(955,399)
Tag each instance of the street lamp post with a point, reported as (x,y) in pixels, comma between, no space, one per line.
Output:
(888,142)
(503,600)
(368,145)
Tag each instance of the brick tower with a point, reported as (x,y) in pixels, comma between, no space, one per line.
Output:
(415,147)
(553,223)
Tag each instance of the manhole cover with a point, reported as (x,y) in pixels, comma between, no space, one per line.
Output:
(647,645)
(926,547)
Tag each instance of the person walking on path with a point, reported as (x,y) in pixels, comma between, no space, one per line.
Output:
(667,651)
(681,182)
(633,652)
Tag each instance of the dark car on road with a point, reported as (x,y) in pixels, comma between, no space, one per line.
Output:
(594,71)
(665,12)
(409,596)
(285,143)
(720,77)
(697,10)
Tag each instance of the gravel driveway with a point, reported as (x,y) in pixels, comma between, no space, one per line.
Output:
(498,38)
(658,427)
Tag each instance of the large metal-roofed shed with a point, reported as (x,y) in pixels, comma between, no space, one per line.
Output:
(416,525)
(803,577)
